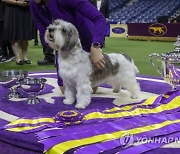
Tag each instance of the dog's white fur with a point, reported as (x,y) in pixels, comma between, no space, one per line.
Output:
(76,69)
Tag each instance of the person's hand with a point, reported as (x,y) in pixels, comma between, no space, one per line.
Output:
(97,57)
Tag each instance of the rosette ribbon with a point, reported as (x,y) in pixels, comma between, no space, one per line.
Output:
(69,117)
(61,119)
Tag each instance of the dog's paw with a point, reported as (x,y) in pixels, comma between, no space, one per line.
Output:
(68,101)
(134,96)
(80,106)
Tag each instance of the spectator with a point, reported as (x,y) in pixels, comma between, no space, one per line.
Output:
(49,58)
(19,28)
(47,51)
(6,54)
(103,7)
(88,21)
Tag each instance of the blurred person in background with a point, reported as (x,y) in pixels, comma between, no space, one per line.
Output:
(103,7)
(6,52)
(49,58)
(19,28)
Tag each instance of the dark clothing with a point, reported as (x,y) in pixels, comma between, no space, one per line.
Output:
(5,45)
(18,23)
(6,48)
(104,9)
(81,13)
(36,36)
(49,53)
(2,7)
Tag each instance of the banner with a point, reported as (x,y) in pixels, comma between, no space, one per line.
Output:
(153,31)
(118,30)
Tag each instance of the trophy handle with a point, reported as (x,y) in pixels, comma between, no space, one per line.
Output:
(151,57)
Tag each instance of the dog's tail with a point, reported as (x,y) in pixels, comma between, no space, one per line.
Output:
(135,68)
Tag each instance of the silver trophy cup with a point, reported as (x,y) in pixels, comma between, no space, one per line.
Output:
(170,65)
(32,86)
(10,79)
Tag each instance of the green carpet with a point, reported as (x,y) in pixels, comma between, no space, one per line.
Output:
(138,50)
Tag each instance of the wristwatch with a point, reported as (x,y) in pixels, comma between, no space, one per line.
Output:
(96,45)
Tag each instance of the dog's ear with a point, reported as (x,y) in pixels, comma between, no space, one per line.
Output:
(71,38)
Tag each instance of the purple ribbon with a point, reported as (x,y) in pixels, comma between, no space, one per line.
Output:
(151,146)
(104,146)
(108,128)
(73,117)
(61,119)
(53,137)
(50,133)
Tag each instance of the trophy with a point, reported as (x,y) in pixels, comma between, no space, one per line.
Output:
(170,65)
(32,87)
(10,79)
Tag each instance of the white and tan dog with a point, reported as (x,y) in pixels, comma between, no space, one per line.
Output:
(78,73)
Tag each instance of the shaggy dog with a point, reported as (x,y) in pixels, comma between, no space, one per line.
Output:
(78,73)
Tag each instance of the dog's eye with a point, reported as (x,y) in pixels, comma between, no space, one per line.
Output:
(63,30)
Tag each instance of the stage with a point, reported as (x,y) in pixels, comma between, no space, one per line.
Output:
(51,103)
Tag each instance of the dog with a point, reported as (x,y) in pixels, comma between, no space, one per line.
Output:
(78,73)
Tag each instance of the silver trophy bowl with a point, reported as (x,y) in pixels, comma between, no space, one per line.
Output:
(170,65)
(32,87)
(10,79)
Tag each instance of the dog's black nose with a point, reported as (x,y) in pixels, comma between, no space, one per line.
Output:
(51,30)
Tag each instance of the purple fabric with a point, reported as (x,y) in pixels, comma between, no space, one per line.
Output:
(150,146)
(163,131)
(7,148)
(164,151)
(74,116)
(22,109)
(3,122)
(47,89)
(107,30)
(118,125)
(60,81)
(10,83)
(104,146)
(29,141)
(155,87)
(175,73)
